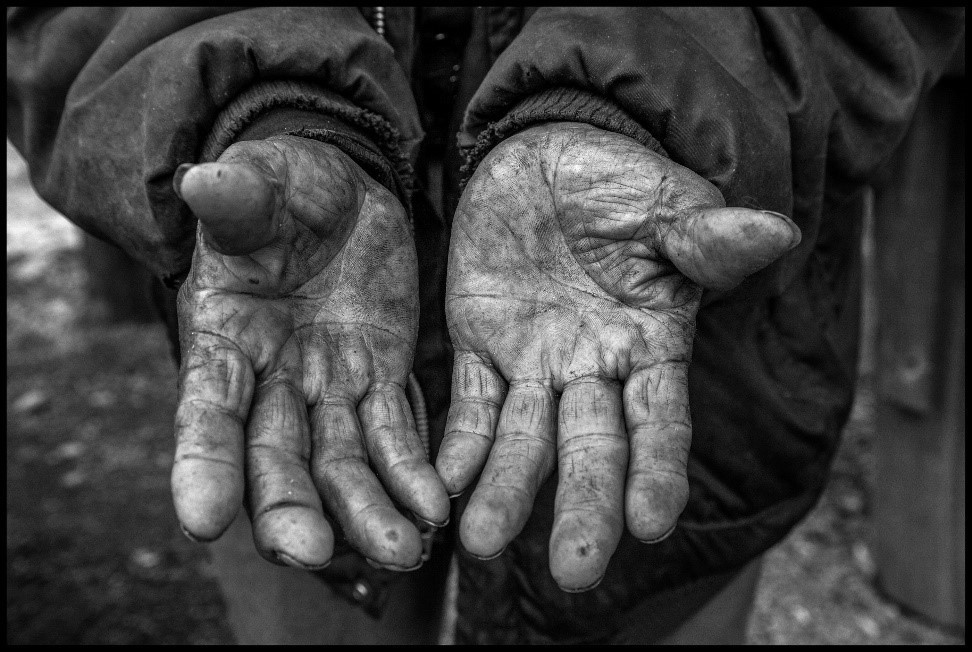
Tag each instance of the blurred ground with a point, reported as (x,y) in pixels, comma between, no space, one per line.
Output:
(94,553)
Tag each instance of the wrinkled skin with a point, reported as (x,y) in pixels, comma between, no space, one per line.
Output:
(576,270)
(298,324)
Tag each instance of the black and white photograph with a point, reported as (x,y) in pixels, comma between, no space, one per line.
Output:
(486,325)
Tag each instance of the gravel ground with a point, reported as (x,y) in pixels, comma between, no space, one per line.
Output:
(94,554)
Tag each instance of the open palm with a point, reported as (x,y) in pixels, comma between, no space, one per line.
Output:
(576,270)
(298,324)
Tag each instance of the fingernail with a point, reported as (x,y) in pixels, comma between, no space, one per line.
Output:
(491,557)
(290,561)
(795,230)
(190,535)
(417,566)
(177,177)
(393,567)
(659,539)
(586,588)
(797,236)
(432,523)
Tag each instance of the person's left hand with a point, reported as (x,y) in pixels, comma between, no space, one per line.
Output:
(576,269)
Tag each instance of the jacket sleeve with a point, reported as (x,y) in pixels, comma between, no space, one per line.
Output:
(105,104)
(772,105)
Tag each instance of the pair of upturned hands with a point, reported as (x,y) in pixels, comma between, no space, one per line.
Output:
(576,269)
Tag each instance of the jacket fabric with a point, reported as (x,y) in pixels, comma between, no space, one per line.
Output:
(785,109)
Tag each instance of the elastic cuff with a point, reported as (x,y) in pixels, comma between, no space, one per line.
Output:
(311,111)
(556,105)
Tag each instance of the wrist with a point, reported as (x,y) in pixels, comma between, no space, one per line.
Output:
(554,105)
(306,110)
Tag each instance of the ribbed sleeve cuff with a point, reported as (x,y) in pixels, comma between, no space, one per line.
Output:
(311,111)
(556,105)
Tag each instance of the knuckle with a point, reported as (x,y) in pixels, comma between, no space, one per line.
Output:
(460,437)
(472,418)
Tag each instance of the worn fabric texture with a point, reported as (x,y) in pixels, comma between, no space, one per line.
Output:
(784,109)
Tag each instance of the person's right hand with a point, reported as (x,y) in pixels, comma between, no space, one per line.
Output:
(298,323)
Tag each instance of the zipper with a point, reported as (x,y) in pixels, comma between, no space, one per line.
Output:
(378,20)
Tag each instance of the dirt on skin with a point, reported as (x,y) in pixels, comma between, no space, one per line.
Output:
(94,552)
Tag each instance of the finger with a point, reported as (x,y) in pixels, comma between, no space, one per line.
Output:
(521,459)
(288,518)
(477,396)
(234,202)
(719,247)
(398,455)
(592,460)
(352,493)
(216,383)
(656,411)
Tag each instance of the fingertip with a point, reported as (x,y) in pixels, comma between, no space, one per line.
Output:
(297,536)
(580,549)
(760,236)
(200,529)
(454,467)
(572,566)
(178,176)
(417,486)
(720,247)
(399,545)
(202,526)
(432,504)
(446,469)
(794,231)
(652,508)
(787,229)
(441,508)
(206,500)
(234,201)
(484,528)
(385,536)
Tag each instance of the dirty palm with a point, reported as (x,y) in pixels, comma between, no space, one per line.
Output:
(298,324)
(576,269)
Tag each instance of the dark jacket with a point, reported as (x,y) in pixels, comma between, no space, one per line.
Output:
(789,110)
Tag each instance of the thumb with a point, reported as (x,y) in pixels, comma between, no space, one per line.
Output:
(719,247)
(234,202)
